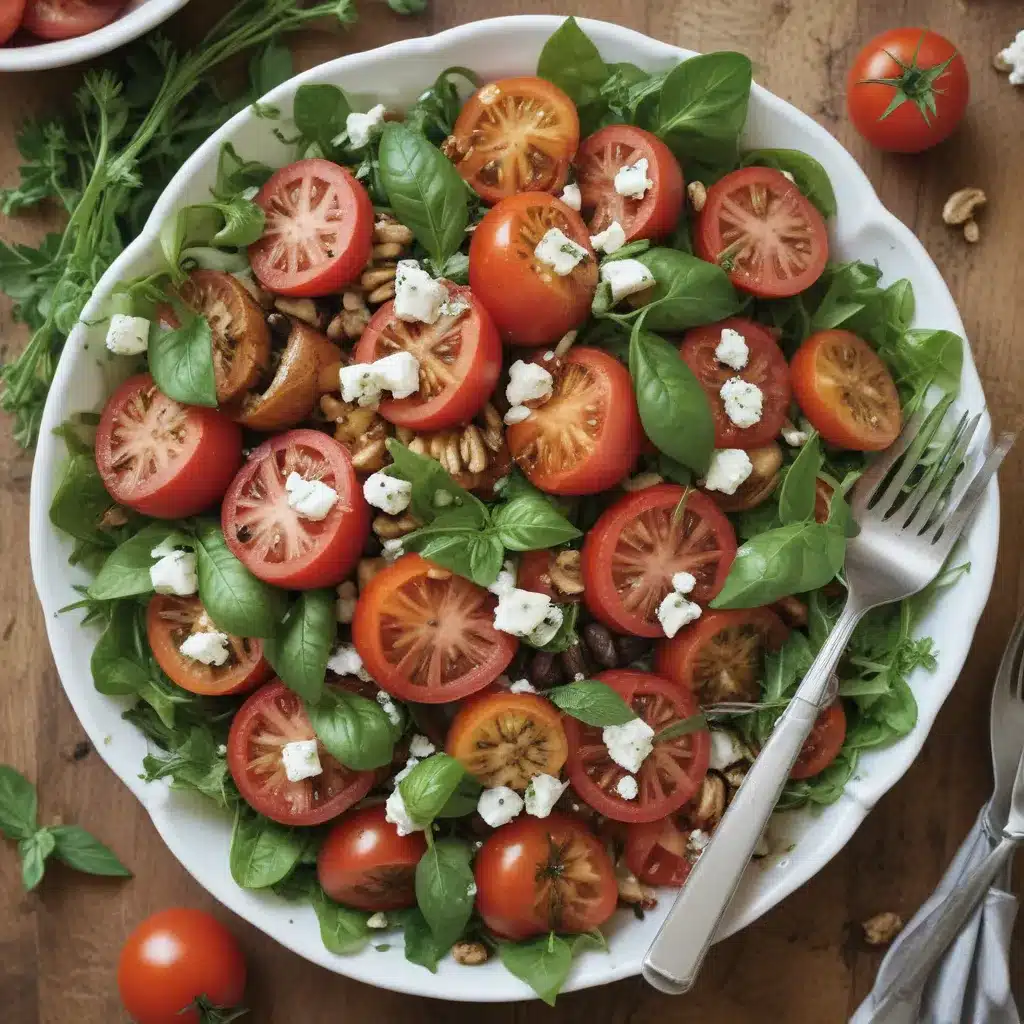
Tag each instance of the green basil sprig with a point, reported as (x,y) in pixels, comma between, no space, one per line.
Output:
(353,729)
(445,889)
(592,702)
(434,492)
(529,522)
(125,573)
(429,786)
(262,852)
(181,360)
(300,649)
(420,945)
(810,177)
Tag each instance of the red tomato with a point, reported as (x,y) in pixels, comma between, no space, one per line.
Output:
(758,226)
(270,538)
(656,852)
(459,356)
(585,438)
(530,303)
(515,135)
(170,620)
(161,458)
(907,90)
(669,775)
(270,718)
(823,745)
(64,19)
(537,875)
(364,862)
(319,229)
(534,573)
(11,12)
(427,635)
(766,367)
(640,542)
(172,959)
(601,157)
(846,391)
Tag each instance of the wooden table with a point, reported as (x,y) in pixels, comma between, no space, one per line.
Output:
(806,961)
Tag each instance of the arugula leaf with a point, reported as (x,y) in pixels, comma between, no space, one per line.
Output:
(262,851)
(428,787)
(125,573)
(543,963)
(592,702)
(193,761)
(18,805)
(799,488)
(445,889)
(320,112)
(811,178)
(353,729)
(342,930)
(529,522)
(79,850)
(927,357)
(181,361)
(300,649)
(694,723)
(244,221)
(234,174)
(189,226)
(80,503)
(433,115)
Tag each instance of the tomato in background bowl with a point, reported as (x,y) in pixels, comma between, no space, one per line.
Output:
(65,19)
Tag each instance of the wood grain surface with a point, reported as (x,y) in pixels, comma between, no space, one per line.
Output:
(804,962)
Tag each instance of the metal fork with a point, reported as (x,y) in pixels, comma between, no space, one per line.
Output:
(907,530)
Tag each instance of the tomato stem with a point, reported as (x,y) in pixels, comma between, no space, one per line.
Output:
(914,83)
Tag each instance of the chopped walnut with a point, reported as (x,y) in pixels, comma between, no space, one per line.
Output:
(392,527)
(710,803)
(470,954)
(566,574)
(881,929)
(472,455)
(632,891)
(362,431)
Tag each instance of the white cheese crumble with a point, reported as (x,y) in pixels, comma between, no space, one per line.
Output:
(506,581)
(364,383)
(628,745)
(455,307)
(520,612)
(726,750)
(612,239)
(312,499)
(301,760)
(528,382)
(389,708)
(498,806)
(522,686)
(729,469)
(732,349)
(560,252)
(378,920)
(744,402)
(572,197)
(696,843)
(175,573)
(632,181)
(675,611)
(397,813)
(393,550)
(211,648)
(127,335)
(420,746)
(388,493)
(360,126)
(542,794)
(627,788)
(794,436)
(345,661)
(1014,56)
(517,414)
(626,277)
(418,297)
(545,632)
(360,384)
(683,582)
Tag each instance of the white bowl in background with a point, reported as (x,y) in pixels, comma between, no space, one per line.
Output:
(196,832)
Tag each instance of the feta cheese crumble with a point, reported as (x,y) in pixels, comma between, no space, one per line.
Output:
(174,573)
(211,648)
(628,745)
(612,239)
(397,813)
(1013,56)
(528,382)
(542,794)
(455,307)
(522,686)
(732,349)
(632,181)
(301,760)
(726,750)
(127,335)
(388,493)
(626,277)
(560,252)
(729,469)
(345,661)
(378,920)
(418,297)
(360,126)
(627,788)
(675,611)
(312,499)
(392,550)
(360,384)
(683,582)
(506,581)
(520,612)
(794,436)
(517,414)
(572,197)
(388,706)
(364,383)
(498,806)
(420,746)
(744,401)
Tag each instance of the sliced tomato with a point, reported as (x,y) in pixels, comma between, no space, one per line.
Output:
(720,657)
(427,635)
(586,437)
(846,391)
(758,226)
(65,19)
(319,229)
(766,368)
(656,852)
(170,621)
(669,775)
(162,458)
(530,303)
(822,747)
(11,12)
(602,155)
(515,135)
(270,718)
(632,552)
(459,357)
(271,539)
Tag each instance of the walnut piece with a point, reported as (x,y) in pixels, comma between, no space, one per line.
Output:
(566,573)
(472,455)
(962,204)
(710,803)
(392,527)
(881,929)
(362,431)
(470,954)
(698,195)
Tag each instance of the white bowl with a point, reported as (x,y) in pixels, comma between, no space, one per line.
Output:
(197,834)
(139,16)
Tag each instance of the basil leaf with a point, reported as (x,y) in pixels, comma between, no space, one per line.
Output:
(425,191)
(688,291)
(80,502)
(262,851)
(799,489)
(181,362)
(566,635)
(810,177)
(352,729)
(343,931)
(244,221)
(543,963)
(445,889)
(18,806)
(631,93)
(320,112)
(33,852)
(79,850)
(116,662)
(530,523)
(928,357)
(420,945)
(572,62)
(235,600)
(429,482)
(455,541)
(428,787)
(594,939)
(851,289)
(673,407)
(592,702)
(125,573)
(300,649)
(694,723)
(234,174)
(464,800)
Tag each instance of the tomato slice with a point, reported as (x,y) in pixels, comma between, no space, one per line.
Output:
(586,437)
(766,368)
(459,357)
(504,739)
(65,19)
(169,622)
(162,458)
(530,303)
(759,227)
(11,12)
(822,747)
(427,635)
(270,538)
(669,775)
(638,544)
(846,391)
(319,229)
(515,135)
(656,852)
(720,657)
(602,155)
(270,718)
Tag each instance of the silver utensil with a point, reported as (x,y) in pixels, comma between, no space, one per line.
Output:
(1006,728)
(907,530)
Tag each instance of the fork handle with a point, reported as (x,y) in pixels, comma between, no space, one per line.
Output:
(675,957)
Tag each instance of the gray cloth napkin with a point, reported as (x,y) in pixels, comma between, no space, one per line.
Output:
(971,984)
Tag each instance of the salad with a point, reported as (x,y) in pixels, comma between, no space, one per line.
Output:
(475,498)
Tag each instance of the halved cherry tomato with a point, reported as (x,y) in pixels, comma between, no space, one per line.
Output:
(270,718)
(272,539)
(766,367)
(459,357)
(530,303)
(504,739)
(640,542)
(427,635)
(319,229)
(537,875)
(720,657)
(656,852)
(515,135)
(162,458)
(11,12)
(822,747)
(169,622)
(602,155)
(586,437)
(364,862)
(65,19)
(846,391)
(759,227)
(669,775)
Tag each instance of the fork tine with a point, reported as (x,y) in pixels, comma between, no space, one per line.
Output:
(873,476)
(945,473)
